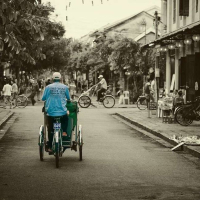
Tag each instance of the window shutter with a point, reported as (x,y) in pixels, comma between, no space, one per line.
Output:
(184,8)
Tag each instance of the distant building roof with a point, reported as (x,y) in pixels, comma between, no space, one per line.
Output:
(106,28)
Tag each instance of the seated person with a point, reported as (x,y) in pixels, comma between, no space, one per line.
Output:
(178,100)
(103,87)
(55,96)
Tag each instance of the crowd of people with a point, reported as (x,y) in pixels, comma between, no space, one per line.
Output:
(33,88)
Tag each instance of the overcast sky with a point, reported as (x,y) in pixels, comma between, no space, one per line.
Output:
(83,18)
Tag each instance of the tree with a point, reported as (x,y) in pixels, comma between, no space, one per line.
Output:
(24,24)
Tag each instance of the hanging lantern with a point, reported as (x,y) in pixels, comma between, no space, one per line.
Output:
(188,41)
(160,49)
(179,44)
(163,49)
(196,37)
(127,73)
(171,46)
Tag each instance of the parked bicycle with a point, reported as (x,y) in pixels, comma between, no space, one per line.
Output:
(141,103)
(20,101)
(84,101)
(187,113)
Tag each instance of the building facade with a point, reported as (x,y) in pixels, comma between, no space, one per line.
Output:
(181,45)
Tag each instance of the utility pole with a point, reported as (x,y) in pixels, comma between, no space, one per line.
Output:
(157,72)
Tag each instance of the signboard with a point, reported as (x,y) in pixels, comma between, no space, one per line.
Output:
(152,106)
(157,72)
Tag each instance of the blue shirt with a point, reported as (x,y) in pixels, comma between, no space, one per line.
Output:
(55,96)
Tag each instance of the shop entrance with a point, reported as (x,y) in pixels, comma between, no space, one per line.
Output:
(190,75)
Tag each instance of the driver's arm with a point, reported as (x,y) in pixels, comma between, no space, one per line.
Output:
(67,94)
(44,97)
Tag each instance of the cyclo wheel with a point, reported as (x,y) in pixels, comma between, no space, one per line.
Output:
(80,143)
(84,101)
(57,154)
(57,159)
(41,151)
(108,101)
(22,101)
(142,104)
(182,118)
(41,147)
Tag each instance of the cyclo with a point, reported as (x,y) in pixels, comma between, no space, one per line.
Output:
(60,143)
(85,100)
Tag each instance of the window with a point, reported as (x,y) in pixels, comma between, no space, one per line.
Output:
(174,11)
(184,8)
(197,5)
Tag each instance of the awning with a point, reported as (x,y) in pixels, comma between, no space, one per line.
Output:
(178,34)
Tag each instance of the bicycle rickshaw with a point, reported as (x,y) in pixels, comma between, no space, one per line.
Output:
(61,143)
(85,101)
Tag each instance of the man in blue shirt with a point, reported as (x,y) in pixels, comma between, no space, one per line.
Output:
(55,96)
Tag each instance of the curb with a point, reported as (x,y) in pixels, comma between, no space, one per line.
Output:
(5,119)
(185,148)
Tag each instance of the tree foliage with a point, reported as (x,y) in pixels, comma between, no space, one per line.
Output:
(24,25)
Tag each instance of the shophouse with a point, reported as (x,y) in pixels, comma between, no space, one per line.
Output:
(181,45)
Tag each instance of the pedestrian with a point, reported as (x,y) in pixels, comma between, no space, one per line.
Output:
(48,82)
(72,89)
(148,90)
(14,89)
(39,82)
(34,89)
(178,100)
(7,89)
(84,85)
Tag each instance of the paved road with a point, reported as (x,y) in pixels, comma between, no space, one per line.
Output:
(118,164)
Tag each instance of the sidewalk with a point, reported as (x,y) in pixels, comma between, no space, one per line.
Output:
(165,131)
(5,115)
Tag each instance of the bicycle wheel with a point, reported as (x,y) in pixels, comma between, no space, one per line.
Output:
(108,101)
(22,101)
(142,104)
(182,116)
(84,101)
